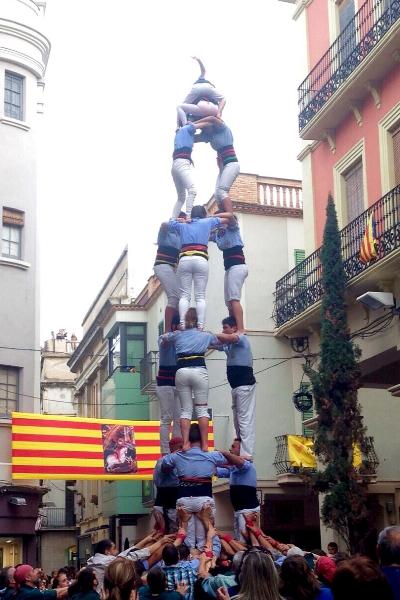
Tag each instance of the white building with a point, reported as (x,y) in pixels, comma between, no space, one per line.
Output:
(24,52)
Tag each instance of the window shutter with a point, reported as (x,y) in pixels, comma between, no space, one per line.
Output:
(346,22)
(396,155)
(299,256)
(354,191)
(13,217)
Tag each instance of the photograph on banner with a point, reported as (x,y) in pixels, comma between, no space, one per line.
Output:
(119,448)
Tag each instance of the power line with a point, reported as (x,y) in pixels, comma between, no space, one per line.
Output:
(94,355)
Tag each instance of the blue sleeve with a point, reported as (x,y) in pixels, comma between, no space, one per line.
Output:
(212,340)
(215,222)
(168,463)
(245,466)
(191,128)
(174,225)
(223,472)
(218,458)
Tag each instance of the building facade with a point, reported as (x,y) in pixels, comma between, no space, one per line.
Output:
(24,52)
(113,344)
(349,119)
(56,525)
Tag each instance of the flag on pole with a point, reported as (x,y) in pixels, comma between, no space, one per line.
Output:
(369,244)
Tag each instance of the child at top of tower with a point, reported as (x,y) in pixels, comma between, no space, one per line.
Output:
(203,99)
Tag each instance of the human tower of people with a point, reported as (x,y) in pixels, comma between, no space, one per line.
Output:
(184,475)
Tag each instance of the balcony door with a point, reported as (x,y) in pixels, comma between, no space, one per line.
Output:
(354,187)
(348,38)
(396,155)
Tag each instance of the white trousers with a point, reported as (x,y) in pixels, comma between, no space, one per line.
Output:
(182,174)
(170,412)
(196,534)
(169,281)
(192,382)
(239,522)
(171,515)
(233,282)
(192,269)
(244,417)
(201,109)
(225,179)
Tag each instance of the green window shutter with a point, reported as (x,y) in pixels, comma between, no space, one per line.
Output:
(307,414)
(161,327)
(299,256)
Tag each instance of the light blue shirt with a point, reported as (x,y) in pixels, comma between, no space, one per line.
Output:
(184,137)
(191,341)
(162,478)
(194,462)
(244,475)
(238,354)
(218,137)
(196,231)
(167,354)
(166,237)
(228,237)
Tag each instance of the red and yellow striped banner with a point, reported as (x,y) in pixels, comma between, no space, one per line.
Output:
(58,447)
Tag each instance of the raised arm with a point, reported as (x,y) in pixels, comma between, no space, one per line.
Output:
(227,338)
(232,459)
(201,65)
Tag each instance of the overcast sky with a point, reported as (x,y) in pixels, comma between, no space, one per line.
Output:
(117,70)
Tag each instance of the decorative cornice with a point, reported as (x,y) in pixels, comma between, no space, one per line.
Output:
(265,210)
(14,262)
(301,5)
(33,37)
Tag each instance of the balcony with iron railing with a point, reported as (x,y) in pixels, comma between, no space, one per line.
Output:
(301,288)
(56,518)
(291,470)
(374,30)
(148,372)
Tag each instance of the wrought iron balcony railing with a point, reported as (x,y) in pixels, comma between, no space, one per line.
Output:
(148,372)
(302,286)
(369,25)
(56,518)
(285,465)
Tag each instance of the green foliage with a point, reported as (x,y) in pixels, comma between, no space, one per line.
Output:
(335,385)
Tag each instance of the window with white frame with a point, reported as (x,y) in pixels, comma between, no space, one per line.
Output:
(354,190)
(396,154)
(14,96)
(11,234)
(8,390)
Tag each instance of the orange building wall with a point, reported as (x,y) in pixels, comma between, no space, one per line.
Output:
(347,136)
(317,31)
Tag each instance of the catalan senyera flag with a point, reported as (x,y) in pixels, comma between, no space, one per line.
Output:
(58,447)
(369,245)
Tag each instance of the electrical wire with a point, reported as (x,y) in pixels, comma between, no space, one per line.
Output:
(94,355)
(135,389)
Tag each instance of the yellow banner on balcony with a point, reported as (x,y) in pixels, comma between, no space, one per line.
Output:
(301,452)
(59,447)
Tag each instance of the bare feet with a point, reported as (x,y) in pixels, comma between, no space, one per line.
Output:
(183,515)
(185,447)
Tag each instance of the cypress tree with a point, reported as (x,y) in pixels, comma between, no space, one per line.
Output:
(335,384)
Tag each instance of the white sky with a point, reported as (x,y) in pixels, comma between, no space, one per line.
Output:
(117,70)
